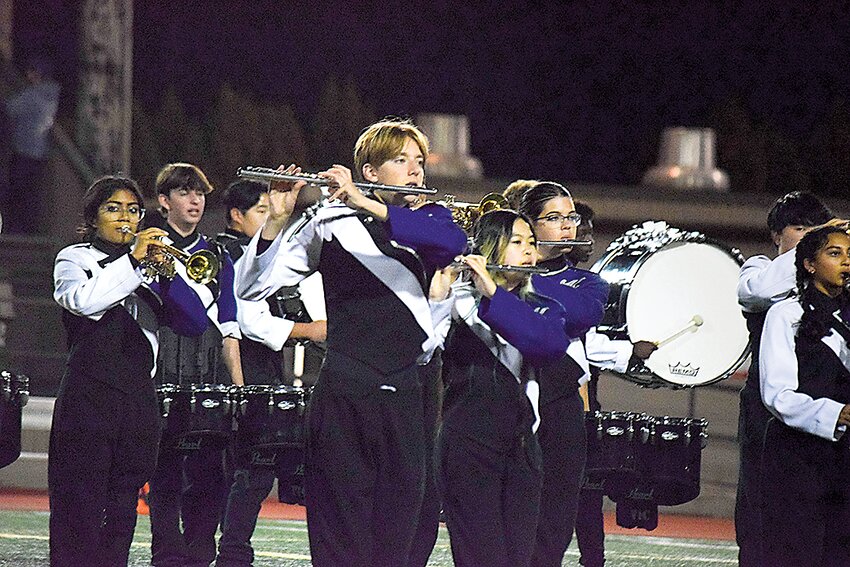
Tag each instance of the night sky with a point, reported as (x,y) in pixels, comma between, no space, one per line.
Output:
(575,92)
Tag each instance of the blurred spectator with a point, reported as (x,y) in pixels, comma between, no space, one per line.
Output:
(31,113)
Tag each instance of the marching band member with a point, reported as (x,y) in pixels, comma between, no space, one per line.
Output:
(602,353)
(562,433)
(263,336)
(105,429)
(763,282)
(365,450)
(193,487)
(498,334)
(804,368)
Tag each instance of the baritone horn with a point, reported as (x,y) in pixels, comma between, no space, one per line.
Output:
(202,266)
(465,214)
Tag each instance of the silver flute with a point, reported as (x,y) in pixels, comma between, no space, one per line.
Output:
(266,174)
(503,268)
(564,243)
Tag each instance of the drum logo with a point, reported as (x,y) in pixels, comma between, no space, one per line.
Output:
(680,369)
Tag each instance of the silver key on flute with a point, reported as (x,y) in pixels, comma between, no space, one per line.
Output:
(564,243)
(504,268)
(266,174)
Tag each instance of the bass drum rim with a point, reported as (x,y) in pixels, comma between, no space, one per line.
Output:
(652,236)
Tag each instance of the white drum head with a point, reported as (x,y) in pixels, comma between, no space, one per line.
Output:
(676,284)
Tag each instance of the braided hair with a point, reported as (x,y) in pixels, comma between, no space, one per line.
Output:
(814,324)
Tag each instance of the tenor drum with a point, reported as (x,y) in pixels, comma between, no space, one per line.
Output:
(639,457)
(196,416)
(678,289)
(271,434)
(669,461)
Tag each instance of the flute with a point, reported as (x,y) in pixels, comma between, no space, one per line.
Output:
(267,175)
(504,268)
(564,243)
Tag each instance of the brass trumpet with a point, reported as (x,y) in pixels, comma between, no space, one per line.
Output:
(201,267)
(465,214)
(266,175)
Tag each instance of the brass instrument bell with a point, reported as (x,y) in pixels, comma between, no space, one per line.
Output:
(465,214)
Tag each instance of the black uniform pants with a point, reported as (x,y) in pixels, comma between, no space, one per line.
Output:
(429,513)
(250,487)
(806,508)
(590,523)
(564,447)
(94,479)
(491,498)
(191,487)
(365,465)
(752,421)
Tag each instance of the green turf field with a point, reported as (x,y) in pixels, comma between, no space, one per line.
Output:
(283,543)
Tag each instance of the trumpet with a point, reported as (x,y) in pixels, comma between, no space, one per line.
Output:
(503,268)
(564,243)
(201,267)
(266,175)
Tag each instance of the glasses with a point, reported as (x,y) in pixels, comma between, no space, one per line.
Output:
(132,211)
(556,219)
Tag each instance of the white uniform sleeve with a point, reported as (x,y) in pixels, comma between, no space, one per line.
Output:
(779,382)
(763,282)
(606,353)
(91,295)
(441,315)
(258,324)
(289,259)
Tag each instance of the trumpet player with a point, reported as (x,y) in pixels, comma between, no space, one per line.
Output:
(366,449)
(192,487)
(105,429)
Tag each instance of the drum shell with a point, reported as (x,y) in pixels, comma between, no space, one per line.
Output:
(611,457)
(669,461)
(641,457)
(271,423)
(196,416)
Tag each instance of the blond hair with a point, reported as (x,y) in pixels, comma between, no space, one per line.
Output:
(384,140)
(513,193)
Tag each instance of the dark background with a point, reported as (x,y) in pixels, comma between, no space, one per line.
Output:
(569,91)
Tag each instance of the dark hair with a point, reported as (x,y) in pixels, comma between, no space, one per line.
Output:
(242,195)
(534,199)
(813,324)
(585,211)
(97,194)
(179,175)
(491,234)
(799,208)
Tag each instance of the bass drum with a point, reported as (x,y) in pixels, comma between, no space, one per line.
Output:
(677,289)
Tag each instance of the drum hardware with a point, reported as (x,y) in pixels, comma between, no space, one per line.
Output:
(267,175)
(14,388)
(660,464)
(695,322)
(196,415)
